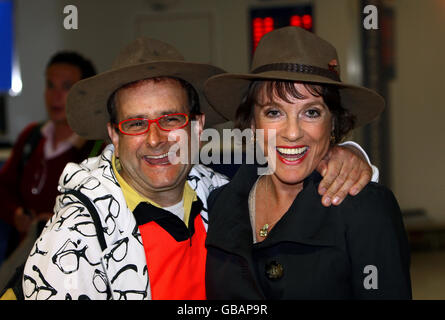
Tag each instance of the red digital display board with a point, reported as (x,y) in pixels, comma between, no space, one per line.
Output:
(265,20)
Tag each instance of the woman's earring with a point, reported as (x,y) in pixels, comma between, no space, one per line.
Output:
(332,137)
(252,137)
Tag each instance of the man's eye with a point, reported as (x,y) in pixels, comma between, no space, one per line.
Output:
(67,86)
(136,123)
(171,119)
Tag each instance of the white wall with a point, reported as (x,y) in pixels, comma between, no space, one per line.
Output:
(36,40)
(418,113)
(106,26)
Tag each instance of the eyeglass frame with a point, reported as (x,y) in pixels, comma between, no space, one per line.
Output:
(150,121)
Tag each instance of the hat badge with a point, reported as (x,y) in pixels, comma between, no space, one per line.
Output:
(333,66)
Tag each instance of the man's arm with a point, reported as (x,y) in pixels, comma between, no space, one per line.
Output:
(354,146)
(346,169)
(63,261)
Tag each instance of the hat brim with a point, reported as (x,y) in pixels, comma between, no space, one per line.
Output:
(87,100)
(226,91)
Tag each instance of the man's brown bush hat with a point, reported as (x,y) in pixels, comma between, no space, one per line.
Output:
(144,58)
(292,53)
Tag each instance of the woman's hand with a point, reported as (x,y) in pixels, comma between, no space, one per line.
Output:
(345,171)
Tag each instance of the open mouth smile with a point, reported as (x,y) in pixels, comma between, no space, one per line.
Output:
(292,155)
(157,160)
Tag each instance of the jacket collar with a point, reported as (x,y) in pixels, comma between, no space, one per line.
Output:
(147,212)
(307,220)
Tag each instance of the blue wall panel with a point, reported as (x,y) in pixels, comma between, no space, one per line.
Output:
(6,43)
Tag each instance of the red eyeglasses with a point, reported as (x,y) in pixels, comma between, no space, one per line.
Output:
(168,122)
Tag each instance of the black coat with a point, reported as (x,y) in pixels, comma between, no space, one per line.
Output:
(357,250)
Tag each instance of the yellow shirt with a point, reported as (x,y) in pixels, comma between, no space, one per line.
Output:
(8,295)
(133,198)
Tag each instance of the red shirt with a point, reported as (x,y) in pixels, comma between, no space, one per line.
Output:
(37,187)
(175,254)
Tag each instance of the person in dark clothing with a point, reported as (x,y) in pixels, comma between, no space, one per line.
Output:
(29,178)
(269,236)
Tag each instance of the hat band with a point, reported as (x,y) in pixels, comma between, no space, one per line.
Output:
(299,68)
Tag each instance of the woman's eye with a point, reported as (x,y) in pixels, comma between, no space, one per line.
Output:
(312,113)
(272,113)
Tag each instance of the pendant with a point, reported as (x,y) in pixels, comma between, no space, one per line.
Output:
(264,230)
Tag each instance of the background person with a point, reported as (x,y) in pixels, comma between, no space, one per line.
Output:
(29,178)
(269,236)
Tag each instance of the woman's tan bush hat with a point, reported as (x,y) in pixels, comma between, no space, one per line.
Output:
(292,53)
(144,58)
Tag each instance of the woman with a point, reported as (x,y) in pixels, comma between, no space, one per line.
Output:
(269,236)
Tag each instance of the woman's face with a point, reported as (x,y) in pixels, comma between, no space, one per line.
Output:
(303,128)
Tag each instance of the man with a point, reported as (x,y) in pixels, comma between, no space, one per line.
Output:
(130,224)
(28,180)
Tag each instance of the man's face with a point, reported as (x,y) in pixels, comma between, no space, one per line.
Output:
(60,77)
(145,166)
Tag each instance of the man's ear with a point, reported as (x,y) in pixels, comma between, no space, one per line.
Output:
(114,136)
(252,128)
(200,119)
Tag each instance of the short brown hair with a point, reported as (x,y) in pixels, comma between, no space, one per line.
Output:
(192,95)
(343,119)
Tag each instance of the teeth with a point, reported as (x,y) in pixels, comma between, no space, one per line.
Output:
(158,157)
(292,151)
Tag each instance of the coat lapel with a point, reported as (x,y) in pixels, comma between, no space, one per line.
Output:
(229,222)
(307,220)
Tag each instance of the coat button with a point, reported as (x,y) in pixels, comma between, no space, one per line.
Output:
(274,270)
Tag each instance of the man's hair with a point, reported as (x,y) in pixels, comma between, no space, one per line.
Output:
(192,95)
(343,119)
(73,58)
